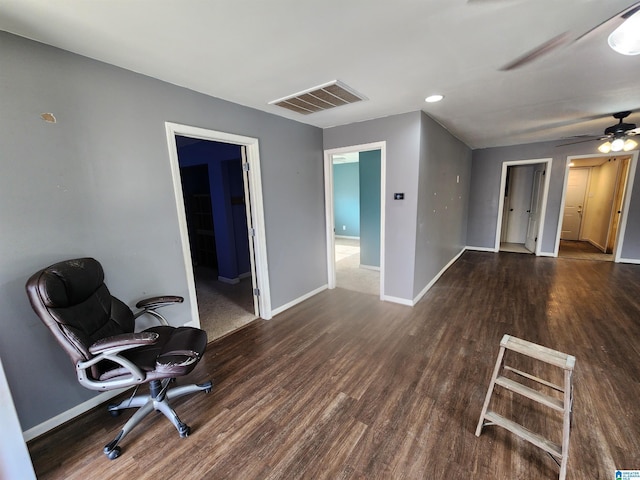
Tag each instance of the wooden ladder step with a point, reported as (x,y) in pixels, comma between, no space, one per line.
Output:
(539,352)
(532,437)
(535,395)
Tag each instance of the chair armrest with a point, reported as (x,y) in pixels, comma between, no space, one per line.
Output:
(125,340)
(157,302)
(149,306)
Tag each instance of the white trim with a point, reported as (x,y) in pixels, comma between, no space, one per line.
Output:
(70,414)
(480,249)
(437,277)
(628,260)
(543,205)
(617,258)
(401,301)
(347,237)
(14,455)
(547,254)
(298,300)
(328,203)
(257,208)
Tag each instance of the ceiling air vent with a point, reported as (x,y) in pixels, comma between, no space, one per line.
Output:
(322,97)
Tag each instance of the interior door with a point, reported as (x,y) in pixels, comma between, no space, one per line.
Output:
(252,236)
(574,203)
(534,212)
(520,184)
(618,200)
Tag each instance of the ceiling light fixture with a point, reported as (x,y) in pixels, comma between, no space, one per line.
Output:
(626,38)
(618,145)
(434,98)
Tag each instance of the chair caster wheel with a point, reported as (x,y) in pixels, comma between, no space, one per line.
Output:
(184,430)
(113,411)
(113,454)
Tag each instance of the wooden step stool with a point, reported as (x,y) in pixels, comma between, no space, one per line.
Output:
(559,453)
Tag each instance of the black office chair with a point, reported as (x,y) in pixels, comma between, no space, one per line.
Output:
(97,332)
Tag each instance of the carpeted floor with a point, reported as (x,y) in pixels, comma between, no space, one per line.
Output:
(223,308)
(349,274)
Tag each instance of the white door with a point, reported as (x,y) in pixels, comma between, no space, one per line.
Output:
(252,235)
(574,203)
(520,182)
(534,212)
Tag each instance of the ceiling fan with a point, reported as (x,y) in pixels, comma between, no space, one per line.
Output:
(610,24)
(617,137)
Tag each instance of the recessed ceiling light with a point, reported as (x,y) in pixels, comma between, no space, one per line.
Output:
(434,98)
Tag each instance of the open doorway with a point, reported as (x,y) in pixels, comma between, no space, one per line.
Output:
(354,182)
(523,190)
(214,200)
(222,229)
(593,205)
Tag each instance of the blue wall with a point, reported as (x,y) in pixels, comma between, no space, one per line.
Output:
(229,220)
(346,199)
(370,208)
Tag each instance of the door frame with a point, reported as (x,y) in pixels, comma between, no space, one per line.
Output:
(259,261)
(543,205)
(328,203)
(617,250)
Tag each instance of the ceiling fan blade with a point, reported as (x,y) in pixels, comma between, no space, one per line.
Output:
(537,52)
(613,22)
(580,141)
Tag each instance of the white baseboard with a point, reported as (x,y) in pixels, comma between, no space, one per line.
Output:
(244,275)
(401,301)
(298,300)
(480,249)
(70,414)
(348,237)
(629,260)
(437,277)
(546,254)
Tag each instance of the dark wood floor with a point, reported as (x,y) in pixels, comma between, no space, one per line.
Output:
(343,386)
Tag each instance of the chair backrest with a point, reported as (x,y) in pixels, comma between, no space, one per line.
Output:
(70,297)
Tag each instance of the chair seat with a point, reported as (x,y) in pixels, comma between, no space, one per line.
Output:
(175,353)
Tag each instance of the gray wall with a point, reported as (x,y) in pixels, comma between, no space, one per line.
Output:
(402,134)
(485,191)
(423,161)
(98,183)
(442,201)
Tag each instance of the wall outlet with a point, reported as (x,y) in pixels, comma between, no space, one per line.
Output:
(344,227)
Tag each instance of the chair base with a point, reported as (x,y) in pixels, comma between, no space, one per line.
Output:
(158,399)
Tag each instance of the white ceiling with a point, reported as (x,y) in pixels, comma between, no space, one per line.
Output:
(394,52)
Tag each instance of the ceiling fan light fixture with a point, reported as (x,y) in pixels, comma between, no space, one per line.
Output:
(626,38)
(605,147)
(629,145)
(617,144)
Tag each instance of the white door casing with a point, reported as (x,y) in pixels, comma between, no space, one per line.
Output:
(547,162)
(329,213)
(253,181)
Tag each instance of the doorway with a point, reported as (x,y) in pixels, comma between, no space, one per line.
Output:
(214,198)
(593,206)
(250,205)
(354,209)
(523,189)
